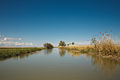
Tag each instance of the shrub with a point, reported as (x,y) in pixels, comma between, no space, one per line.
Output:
(48,45)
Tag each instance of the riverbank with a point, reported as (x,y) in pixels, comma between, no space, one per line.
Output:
(6,52)
(81,49)
(89,49)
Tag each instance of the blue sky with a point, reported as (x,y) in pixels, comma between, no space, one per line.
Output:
(41,21)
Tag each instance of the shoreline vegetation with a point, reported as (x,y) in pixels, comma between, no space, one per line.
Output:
(88,49)
(103,46)
(6,52)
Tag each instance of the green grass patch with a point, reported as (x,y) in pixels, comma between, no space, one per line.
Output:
(9,52)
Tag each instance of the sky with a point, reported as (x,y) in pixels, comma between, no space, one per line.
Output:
(40,21)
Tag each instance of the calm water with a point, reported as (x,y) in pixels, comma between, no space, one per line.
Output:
(58,64)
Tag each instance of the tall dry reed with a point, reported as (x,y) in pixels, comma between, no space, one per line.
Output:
(105,45)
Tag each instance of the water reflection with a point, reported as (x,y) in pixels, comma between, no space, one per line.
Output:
(107,66)
(48,51)
(74,53)
(62,52)
(21,56)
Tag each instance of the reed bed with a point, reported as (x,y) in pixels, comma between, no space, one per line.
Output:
(103,46)
(11,51)
(81,48)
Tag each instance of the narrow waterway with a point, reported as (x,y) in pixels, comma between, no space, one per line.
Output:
(58,64)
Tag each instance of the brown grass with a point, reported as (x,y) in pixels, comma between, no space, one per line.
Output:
(103,45)
(81,48)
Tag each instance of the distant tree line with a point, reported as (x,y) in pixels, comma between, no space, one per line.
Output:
(63,44)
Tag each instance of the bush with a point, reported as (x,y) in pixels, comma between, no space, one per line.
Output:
(48,45)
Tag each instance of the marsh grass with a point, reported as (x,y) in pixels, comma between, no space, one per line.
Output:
(81,49)
(103,45)
(9,52)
